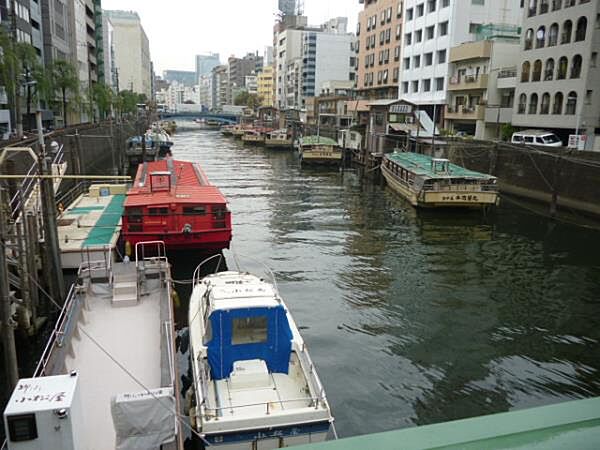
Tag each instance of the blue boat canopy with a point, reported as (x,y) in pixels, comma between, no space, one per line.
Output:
(248,333)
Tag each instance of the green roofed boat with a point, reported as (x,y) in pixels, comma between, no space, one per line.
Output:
(435,182)
(319,150)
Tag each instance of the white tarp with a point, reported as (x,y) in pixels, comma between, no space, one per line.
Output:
(144,421)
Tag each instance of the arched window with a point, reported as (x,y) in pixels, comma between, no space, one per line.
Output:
(556,5)
(566,32)
(549,71)
(545,106)
(533,103)
(576,66)
(537,70)
(563,65)
(581,29)
(532,8)
(525,69)
(522,103)
(553,35)
(558,103)
(540,37)
(571,103)
(529,39)
(544,6)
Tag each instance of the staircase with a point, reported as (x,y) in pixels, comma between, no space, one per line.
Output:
(125,288)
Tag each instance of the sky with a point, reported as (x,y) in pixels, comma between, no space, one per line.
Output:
(180,29)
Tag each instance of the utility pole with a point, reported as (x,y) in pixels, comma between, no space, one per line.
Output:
(54,269)
(8,331)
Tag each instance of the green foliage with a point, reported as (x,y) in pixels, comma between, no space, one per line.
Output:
(64,79)
(507,131)
(103,97)
(245,98)
(128,101)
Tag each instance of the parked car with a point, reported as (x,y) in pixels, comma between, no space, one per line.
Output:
(536,137)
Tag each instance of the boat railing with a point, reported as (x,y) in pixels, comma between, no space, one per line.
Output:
(168,326)
(314,381)
(268,272)
(197,276)
(306,402)
(154,248)
(67,198)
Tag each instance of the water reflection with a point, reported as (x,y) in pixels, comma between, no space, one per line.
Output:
(413,317)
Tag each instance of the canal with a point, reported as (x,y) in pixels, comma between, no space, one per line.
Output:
(412,318)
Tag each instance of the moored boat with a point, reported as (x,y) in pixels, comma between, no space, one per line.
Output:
(174,202)
(435,182)
(227,130)
(255,384)
(319,150)
(238,131)
(278,139)
(253,137)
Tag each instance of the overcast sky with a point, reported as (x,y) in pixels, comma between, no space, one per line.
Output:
(180,29)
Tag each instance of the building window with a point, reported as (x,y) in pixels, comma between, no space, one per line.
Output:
(430,32)
(522,104)
(525,70)
(532,8)
(441,56)
(418,35)
(420,10)
(556,5)
(588,97)
(533,104)
(581,29)
(528,39)
(594,59)
(545,106)
(473,27)
(537,70)
(443,28)
(445,3)
(409,14)
(406,63)
(426,85)
(563,65)
(428,59)
(576,66)
(415,86)
(549,71)
(553,35)
(416,61)
(431,4)
(388,35)
(571,103)
(399,32)
(439,84)
(397,53)
(566,33)
(405,87)
(396,74)
(544,6)
(478,2)
(558,103)
(540,37)
(408,39)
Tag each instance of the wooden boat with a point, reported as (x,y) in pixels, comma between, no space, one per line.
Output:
(174,202)
(434,182)
(278,139)
(319,150)
(227,130)
(253,137)
(238,131)
(254,382)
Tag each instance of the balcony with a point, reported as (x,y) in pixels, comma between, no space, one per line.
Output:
(498,115)
(468,83)
(471,50)
(507,78)
(465,112)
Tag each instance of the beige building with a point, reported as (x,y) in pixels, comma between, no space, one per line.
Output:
(379,48)
(481,87)
(559,73)
(132,52)
(265,86)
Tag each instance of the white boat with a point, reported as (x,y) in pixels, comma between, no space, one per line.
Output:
(255,384)
(107,378)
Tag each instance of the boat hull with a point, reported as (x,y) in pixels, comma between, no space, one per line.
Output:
(441,199)
(321,155)
(210,240)
(253,141)
(279,143)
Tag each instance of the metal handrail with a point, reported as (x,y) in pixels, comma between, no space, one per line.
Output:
(311,400)
(167,326)
(196,276)
(160,246)
(308,362)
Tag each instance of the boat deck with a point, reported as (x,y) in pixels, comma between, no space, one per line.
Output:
(132,336)
(420,164)
(90,224)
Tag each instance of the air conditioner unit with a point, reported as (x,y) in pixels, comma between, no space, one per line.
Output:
(45,414)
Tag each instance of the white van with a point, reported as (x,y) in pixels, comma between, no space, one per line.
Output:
(536,137)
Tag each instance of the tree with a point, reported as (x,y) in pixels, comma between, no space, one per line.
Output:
(64,78)
(245,98)
(104,98)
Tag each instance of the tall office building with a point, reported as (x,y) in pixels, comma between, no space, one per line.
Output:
(206,63)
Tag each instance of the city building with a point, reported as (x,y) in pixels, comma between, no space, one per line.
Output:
(264,82)
(132,52)
(431,28)
(206,63)
(337,88)
(188,78)
(221,91)
(481,88)
(558,80)
(379,48)
(240,68)
(55,30)
(268,56)
(108,55)
(205,86)
(251,84)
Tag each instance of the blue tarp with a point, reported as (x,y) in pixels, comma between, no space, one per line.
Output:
(275,351)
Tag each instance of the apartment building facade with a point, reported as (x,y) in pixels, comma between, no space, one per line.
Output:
(264,83)
(431,29)
(221,92)
(379,48)
(132,52)
(559,75)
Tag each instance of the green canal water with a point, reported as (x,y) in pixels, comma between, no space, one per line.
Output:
(413,318)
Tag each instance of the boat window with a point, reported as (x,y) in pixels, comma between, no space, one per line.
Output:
(207,333)
(22,427)
(134,215)
(249,330)
(194,210)
(219,212)
(158,211)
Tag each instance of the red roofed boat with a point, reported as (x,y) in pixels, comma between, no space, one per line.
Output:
(173,201)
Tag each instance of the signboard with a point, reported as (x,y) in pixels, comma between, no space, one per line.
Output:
(577,141)
(401,109)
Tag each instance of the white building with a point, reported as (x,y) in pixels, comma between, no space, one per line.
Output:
(431,28)
(251,83)
(132,52)
(109,53)
(205,87)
